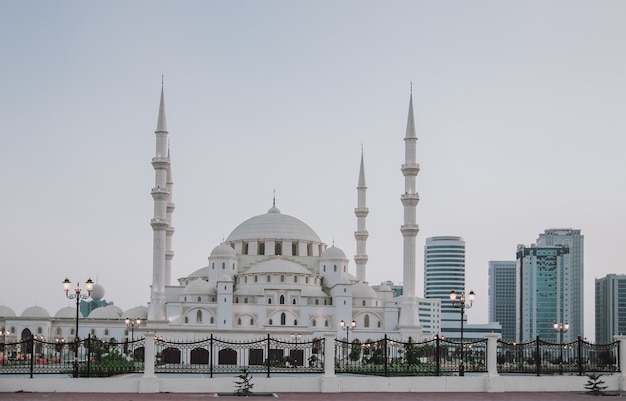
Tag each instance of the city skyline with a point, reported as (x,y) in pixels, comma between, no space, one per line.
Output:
(518,108)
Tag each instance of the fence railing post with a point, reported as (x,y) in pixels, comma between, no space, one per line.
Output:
(537,356)
(385,353)
(88,341)
(269,359)
(437,355)
(492,354)
(31,349)
(149,355)
(329,354)
(580,357)
(212,351)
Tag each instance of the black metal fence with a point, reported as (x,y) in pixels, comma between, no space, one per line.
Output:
(541,357)
(89,357)
(214,355)
(387,357)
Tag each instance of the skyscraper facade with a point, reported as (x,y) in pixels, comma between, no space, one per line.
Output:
(502,281)
(573,280)
(541,293)
(610,307)
(444,271)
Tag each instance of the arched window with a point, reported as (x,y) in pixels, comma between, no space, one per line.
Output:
(245,248)
(366,321)
(269,300)
(294,249)
(39,330)
(363,303)
(256,279)
(295,322)
(278,249)
(295,279)
(93,332)
(223,265)
(379,325)
(199,299)
(282,300)
(317,301)
(106,332)
(271,322)
(199,316)
(251,322)
(325,301)
(293,301)
(326,323)
(282,278)
(335,268)
(261,248)
(186,321)
(239,321)
(283,319)
(268,278)
(72,332)
(212,320)
(323,270)
(59,332)
(237,300)
(233,266)
(314,323)
(306,280)
(245,280)
(213,266)
(344,269)
(245,300)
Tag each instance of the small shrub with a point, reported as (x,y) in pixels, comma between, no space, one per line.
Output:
(595,385)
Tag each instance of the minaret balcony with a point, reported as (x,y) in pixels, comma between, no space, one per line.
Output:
(410,199)
(409,230)
(159,223)
(361,235)
(160,162)
(160,193)
(410,169)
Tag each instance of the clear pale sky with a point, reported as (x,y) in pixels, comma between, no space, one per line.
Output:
(519,111)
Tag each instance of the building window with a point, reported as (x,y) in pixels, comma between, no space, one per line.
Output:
(295,322)
(295,279)
(309,250)
(256,279)
(324,268)
(278,249)
(199,316)
(239,321)
(363,303)
(268,278)
(317,301)
(282,300)
(269,300)
(106,332)
(186,321)
(199,299)
(293,301)
(335,268)
(39,330)
(93,332)
(366,321)
(251,322)
(212,320)
(314,323)
(245,248)
(326,323)
(213,265)
(72,332)
(233,266)
(261,248)
(271,322)
(223,266)
(245,280)
(306,280)
(245,300)
(282,279)
(294,249)
(283,319)
(379,325)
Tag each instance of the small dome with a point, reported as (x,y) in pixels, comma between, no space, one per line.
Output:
(67,312)
(278,266)
(202,273)
(104,313)
(138,312)
(199,287)
(115,308)
(35,311)
(362,290)
(223,251)
(384,287)
(5,311)
(225,278)
(97,292)
(333,253)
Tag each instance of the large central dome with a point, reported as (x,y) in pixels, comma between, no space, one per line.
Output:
(273,225)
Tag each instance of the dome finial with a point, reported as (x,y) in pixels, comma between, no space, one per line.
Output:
(274,199)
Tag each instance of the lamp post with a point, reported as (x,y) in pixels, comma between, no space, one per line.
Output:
(131,323)
(78,296)
(463,304)
(4,334)
(348,327)
(561,328)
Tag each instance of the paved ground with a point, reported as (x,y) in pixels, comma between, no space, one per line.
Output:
(306,397)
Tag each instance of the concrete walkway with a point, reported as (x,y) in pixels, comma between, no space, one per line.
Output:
(544,396)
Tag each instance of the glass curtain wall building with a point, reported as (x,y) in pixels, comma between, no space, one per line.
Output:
(502,280)
(444,271)
(610,307)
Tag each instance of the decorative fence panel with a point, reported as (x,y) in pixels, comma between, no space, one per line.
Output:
(541,357)
(387,357)
(89,357)
(215,355)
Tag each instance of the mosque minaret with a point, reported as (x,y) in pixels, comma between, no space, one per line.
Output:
(409,320)
(159,223)
(361,234)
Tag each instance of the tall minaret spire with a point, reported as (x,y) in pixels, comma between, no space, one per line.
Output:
(161,195)
(409,319)
(169,251)
(361,234)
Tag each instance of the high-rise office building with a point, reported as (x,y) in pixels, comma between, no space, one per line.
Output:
(610,307)
(541,293)
(573,280)
(444,271)
(502,280)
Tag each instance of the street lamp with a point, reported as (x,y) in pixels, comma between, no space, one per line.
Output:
(348,327)
(131,323)
(4,334)
(78,296)
(561,328)
(463,304)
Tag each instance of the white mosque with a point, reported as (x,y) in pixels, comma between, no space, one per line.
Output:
(272,274)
